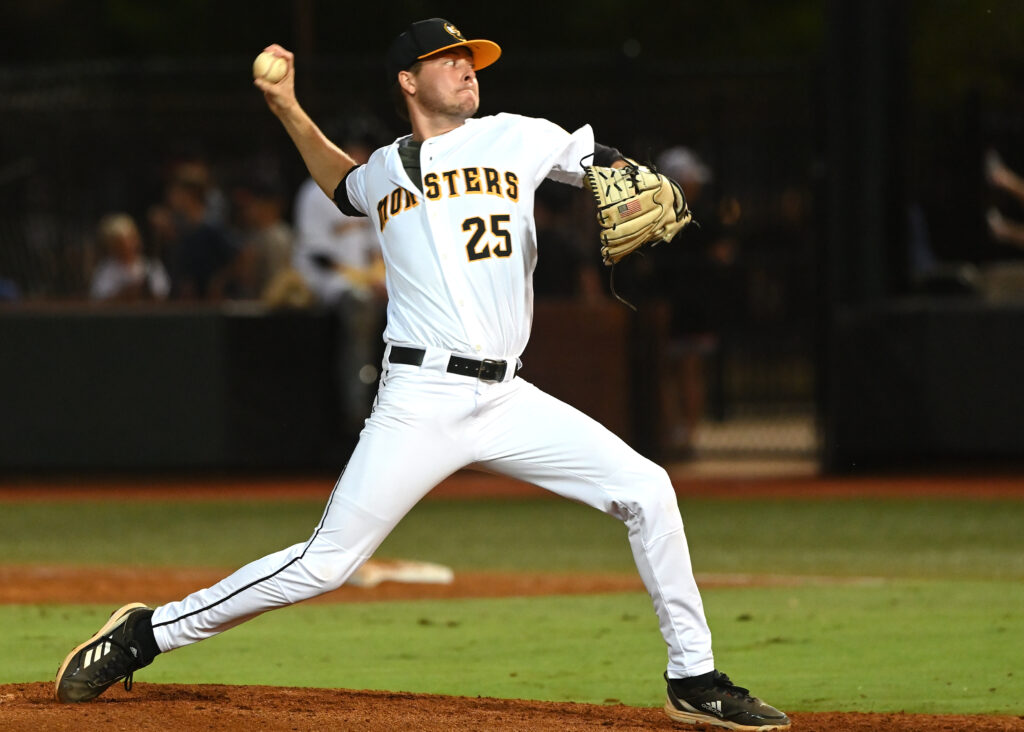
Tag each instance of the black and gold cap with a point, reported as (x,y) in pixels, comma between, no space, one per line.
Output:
(426,37)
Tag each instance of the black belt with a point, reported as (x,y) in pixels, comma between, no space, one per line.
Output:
(485,370)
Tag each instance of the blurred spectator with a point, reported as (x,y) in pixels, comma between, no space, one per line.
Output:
(780,258)
(340,260)
(927,274)
(697,274)
(336,254)
(1002,178)
(124,274)
(197,250)
(265,250)
(188,162)
(9,291)
(563,268)
(1003,281)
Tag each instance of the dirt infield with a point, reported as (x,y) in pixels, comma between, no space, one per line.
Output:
(28,584)
(31,584)
(30,707)
(469,484)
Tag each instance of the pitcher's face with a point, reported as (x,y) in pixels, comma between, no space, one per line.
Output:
(446,84)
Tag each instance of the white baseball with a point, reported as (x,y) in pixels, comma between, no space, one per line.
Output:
(269,67)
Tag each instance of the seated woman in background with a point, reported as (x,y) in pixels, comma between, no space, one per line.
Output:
(124,274)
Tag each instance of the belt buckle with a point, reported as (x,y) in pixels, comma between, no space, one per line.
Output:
(493,367)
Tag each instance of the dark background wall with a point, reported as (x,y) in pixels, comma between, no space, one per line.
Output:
(190,387)
(173,388)
(933,384)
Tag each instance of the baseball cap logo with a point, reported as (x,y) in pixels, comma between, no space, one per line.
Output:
(454,32)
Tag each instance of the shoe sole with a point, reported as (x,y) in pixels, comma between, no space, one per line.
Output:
(115,617)
(678,715)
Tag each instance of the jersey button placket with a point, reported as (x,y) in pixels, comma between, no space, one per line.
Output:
(444,232)
(445,216)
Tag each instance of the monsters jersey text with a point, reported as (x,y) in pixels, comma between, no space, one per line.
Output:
(460,245)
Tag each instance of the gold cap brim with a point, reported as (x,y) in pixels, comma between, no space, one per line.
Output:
(485,53)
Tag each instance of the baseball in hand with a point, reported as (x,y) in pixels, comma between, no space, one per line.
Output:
(269,67)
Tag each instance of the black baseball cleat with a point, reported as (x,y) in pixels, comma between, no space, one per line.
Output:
(713,699)
(114,653)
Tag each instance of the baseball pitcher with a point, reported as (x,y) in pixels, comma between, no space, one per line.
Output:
(452,204)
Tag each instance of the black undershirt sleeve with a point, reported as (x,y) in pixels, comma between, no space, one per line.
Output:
(341,199)
(605,156)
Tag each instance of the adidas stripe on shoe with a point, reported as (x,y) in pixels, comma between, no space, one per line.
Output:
(112,654)
(713,699)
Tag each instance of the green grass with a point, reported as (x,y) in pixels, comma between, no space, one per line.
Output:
(935,538)
(916,646)
(940,632)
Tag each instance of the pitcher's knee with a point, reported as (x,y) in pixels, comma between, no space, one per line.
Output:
(652,484)
(650,494)
(659,498)
(325,571)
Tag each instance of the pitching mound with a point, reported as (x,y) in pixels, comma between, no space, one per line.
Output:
(163,707)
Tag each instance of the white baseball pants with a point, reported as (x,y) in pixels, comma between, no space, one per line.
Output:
(427,424)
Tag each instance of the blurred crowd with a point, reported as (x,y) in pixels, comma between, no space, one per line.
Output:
(252,239)
(205,242)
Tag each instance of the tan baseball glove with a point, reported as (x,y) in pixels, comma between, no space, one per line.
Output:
(636,207)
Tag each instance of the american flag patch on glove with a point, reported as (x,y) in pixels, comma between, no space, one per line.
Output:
(629,208)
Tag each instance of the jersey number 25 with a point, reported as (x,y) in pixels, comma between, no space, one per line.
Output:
(479,249)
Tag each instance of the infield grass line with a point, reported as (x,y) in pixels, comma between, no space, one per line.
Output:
(969,539)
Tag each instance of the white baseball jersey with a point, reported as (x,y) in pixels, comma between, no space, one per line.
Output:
(460,250)
(460,246)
